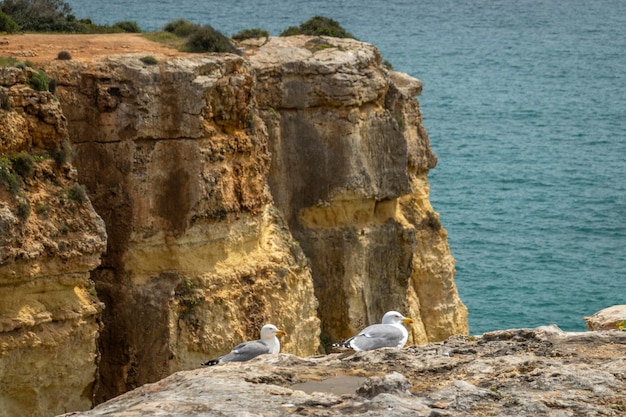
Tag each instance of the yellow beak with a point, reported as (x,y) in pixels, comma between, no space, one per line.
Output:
(407,320)
(281,333)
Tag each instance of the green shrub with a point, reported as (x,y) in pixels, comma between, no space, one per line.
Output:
(128,26)
(42,210)
(432,221)
(64,55)
(387,65)
(8,177)
(291,31)
(22,209)
(189,300)
(7,61)
(207,39)
(23,65)
(53,16)
(77,193)
(41,15)
(39,81)
(149,60)
(251,34)
(62,152)
(181,27)
(318,26)
(7,24)
(23,164)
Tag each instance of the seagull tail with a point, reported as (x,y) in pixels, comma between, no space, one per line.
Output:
(212,362)
(343,345)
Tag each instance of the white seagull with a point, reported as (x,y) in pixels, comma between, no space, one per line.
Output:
(268,343)
(390,333)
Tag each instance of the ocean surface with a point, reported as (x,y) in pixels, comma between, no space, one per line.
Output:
(525,104)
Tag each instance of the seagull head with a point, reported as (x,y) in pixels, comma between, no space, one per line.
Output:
(393,317)
(269,331)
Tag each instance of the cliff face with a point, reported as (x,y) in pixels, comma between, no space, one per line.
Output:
(50,239)
(349,166)
(288,186)
(175,160)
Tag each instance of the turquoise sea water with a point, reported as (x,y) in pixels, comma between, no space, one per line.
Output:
(525,104)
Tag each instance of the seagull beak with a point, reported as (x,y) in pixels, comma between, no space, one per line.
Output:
(407,320)
(281,333)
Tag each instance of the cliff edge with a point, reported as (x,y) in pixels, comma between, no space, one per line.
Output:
(512,373)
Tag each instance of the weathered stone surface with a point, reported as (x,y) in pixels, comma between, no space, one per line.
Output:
(349,163)
(613,317)
(520,372)
(50,239)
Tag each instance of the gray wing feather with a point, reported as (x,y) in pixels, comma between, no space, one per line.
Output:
(376,336)
(246,351)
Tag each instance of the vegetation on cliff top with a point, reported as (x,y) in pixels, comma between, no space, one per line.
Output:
(182,34)
(56,16)
(318,26)
(52,16)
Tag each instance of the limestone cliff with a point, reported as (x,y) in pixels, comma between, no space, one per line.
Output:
(287,185)
(175,160)
(50,239)
(349,166)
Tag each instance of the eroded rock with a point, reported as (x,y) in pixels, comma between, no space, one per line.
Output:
(607,319)
(50,239)
(538,372)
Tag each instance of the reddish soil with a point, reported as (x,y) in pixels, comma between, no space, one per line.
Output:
(40,48)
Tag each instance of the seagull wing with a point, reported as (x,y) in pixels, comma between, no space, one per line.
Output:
(246,351)
(376,336)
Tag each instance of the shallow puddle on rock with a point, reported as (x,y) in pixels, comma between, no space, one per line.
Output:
(338,385)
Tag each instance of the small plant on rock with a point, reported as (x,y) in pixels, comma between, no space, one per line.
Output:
(149,60)
(254,33)
(7,61)
(207,39)
(42,210)
(77,193)
(127,26)
(181,27)
(189,300)
(64,56)
(23,164)
(318,26)
(22,209)
(7,177)
(432,221)
(39,81)
(62,153)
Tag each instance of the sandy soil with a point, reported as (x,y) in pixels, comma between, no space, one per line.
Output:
(40,48)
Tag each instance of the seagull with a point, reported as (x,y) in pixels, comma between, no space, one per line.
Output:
(268,343)
(390,333)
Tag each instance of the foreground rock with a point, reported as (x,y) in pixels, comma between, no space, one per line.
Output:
(613,317)
(538,372)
